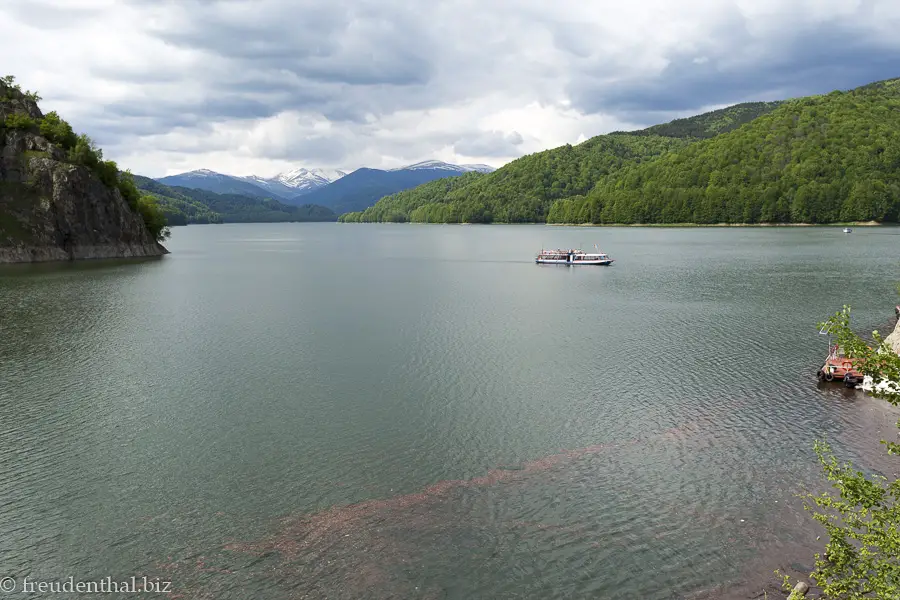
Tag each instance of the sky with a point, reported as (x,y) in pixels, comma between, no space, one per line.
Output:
(264,86)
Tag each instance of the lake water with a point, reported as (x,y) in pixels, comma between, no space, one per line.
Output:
(402,411)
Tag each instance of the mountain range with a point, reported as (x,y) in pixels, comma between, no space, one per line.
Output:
(818,159)
(183,205)
(283,186)
(296,182)
(337,190)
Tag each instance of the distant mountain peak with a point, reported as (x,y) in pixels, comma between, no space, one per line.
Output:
(201,173)
(301,177)
(481,168)
(444,166)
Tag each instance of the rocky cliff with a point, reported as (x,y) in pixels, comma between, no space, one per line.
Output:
(51,209)
(894,338)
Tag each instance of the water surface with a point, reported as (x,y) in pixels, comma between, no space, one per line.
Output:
(343,411)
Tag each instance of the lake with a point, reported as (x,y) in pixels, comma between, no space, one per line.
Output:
(420,411)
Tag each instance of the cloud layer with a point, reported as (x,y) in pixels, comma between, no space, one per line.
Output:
(259,86)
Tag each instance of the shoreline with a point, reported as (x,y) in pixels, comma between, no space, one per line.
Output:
(691,225)
(663,225)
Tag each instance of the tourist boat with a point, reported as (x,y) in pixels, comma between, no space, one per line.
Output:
(847,230)
(572,257)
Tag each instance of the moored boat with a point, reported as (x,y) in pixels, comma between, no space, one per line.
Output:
(839,367)
(573,257)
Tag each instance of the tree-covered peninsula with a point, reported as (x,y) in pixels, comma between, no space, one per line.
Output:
(59,200)
(819,159)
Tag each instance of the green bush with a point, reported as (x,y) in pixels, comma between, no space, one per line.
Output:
(85,152)
(58,131)
(108,172)
(10,81)
(127,187)
(20,121)
(153,217)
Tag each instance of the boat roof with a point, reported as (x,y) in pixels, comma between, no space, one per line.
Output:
(573,251)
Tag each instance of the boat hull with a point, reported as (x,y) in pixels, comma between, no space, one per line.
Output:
(573,263)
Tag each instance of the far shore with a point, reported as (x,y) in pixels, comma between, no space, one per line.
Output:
(849,224)
(673,225)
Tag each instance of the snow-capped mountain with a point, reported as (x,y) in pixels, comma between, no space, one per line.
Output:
(201,174)
(270,185)
(204,179)
(297,181)
(364,187)
(284,185)
(443,166)
(291,185)
(301,179)
(298,177)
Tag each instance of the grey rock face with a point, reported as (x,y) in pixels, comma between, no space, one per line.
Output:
(53,210)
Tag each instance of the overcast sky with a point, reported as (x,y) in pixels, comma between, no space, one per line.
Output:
(262,86)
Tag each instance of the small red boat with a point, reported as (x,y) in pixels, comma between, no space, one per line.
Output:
(838,367)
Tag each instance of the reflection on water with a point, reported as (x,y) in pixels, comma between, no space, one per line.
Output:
(423,412)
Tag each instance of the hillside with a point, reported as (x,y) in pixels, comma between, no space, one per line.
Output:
(521,191)
(59,200)
(819,159)
(180,209)
(183,206)
(204,179)
(709,124)
(363,187)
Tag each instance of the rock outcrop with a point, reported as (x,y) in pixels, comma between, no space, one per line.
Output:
(51,209)
(894,338)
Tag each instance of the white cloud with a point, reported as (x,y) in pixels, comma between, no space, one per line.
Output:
(245,86)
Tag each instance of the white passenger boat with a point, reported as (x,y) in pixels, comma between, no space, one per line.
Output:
(572,257)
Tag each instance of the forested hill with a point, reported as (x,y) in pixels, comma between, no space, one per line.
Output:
(817,159)
(183,206)
(712,123)
(821,159)
(521,191)
(524,190)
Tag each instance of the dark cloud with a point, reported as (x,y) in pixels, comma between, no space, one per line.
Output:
(796,62)
(346,80)
(327,42)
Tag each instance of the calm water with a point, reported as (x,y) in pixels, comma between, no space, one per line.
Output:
(345,411)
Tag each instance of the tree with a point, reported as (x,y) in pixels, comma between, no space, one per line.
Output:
(862,521)
(58,131)
(85,152)
(153,217)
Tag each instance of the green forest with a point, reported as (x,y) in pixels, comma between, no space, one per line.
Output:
(183,206)
(820,159)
